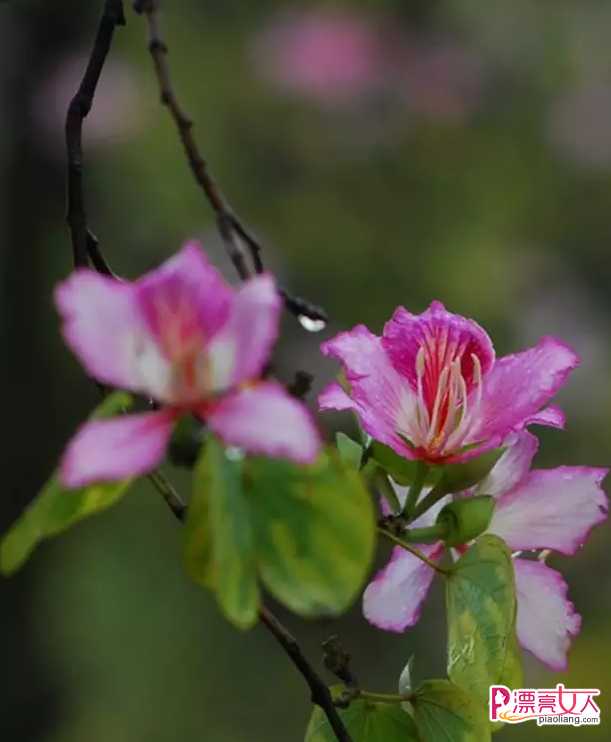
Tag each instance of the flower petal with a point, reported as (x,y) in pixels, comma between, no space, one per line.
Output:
(552,509)
(551,416)
(185,299)
(101,322)
(240,350)
(513,465)
(382,399)
(393,600)
(519,386)
(546,620)
(109,450)
(333,397)
(443,336)
(265,419)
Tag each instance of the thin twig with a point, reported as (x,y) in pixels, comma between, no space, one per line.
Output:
(337,661)
(240,243)
(321,695)
(173,500)
(413,550)
(236,238)
(112,16)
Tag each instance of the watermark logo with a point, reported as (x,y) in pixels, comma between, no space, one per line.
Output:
(557,706)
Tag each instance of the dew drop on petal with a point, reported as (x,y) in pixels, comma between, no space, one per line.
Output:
(311,325)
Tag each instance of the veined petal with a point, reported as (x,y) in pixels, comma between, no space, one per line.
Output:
(185,302)
(109,450)
(265,419)
(513,465)
(101,324)
(552,509)
(546,620)
(382,399)
(443,336)
(393,600)
(520,385)
(185,298)
(240,350)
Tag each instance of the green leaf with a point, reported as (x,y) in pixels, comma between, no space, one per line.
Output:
(365,721)
(445,712)
(350,452)
(219,537)
(307,532)
(481,611)
(315,530)
(512,674)
(459,477)
(466,518)
(57,508)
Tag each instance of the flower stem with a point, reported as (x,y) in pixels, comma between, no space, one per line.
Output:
(415,488)
(383,697)
(413,550)
(386,490)
(428,535)
(431,499)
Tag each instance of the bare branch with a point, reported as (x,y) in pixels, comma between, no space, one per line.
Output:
(321,695)
(112,16)
(240,243)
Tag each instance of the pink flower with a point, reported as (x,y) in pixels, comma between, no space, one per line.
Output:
(431,389)
(332,56)
(535,510)
(183,337)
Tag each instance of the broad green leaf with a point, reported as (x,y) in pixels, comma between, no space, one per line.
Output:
(56,508)
(365,721)
(350,452)
(444,712)
(481,611)
(315,530)
(512,675)
(219,537)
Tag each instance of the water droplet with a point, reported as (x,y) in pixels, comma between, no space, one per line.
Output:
(311,325)
(234,453)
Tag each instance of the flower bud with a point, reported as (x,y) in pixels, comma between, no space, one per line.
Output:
(466,518)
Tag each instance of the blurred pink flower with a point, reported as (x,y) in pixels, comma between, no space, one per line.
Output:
(181,336)
(340,57)
(332,56)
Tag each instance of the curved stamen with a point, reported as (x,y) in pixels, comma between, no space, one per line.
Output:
(439,398)
(422,413)
(446,427)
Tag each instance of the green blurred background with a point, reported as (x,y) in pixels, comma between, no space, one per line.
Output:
(387,153)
